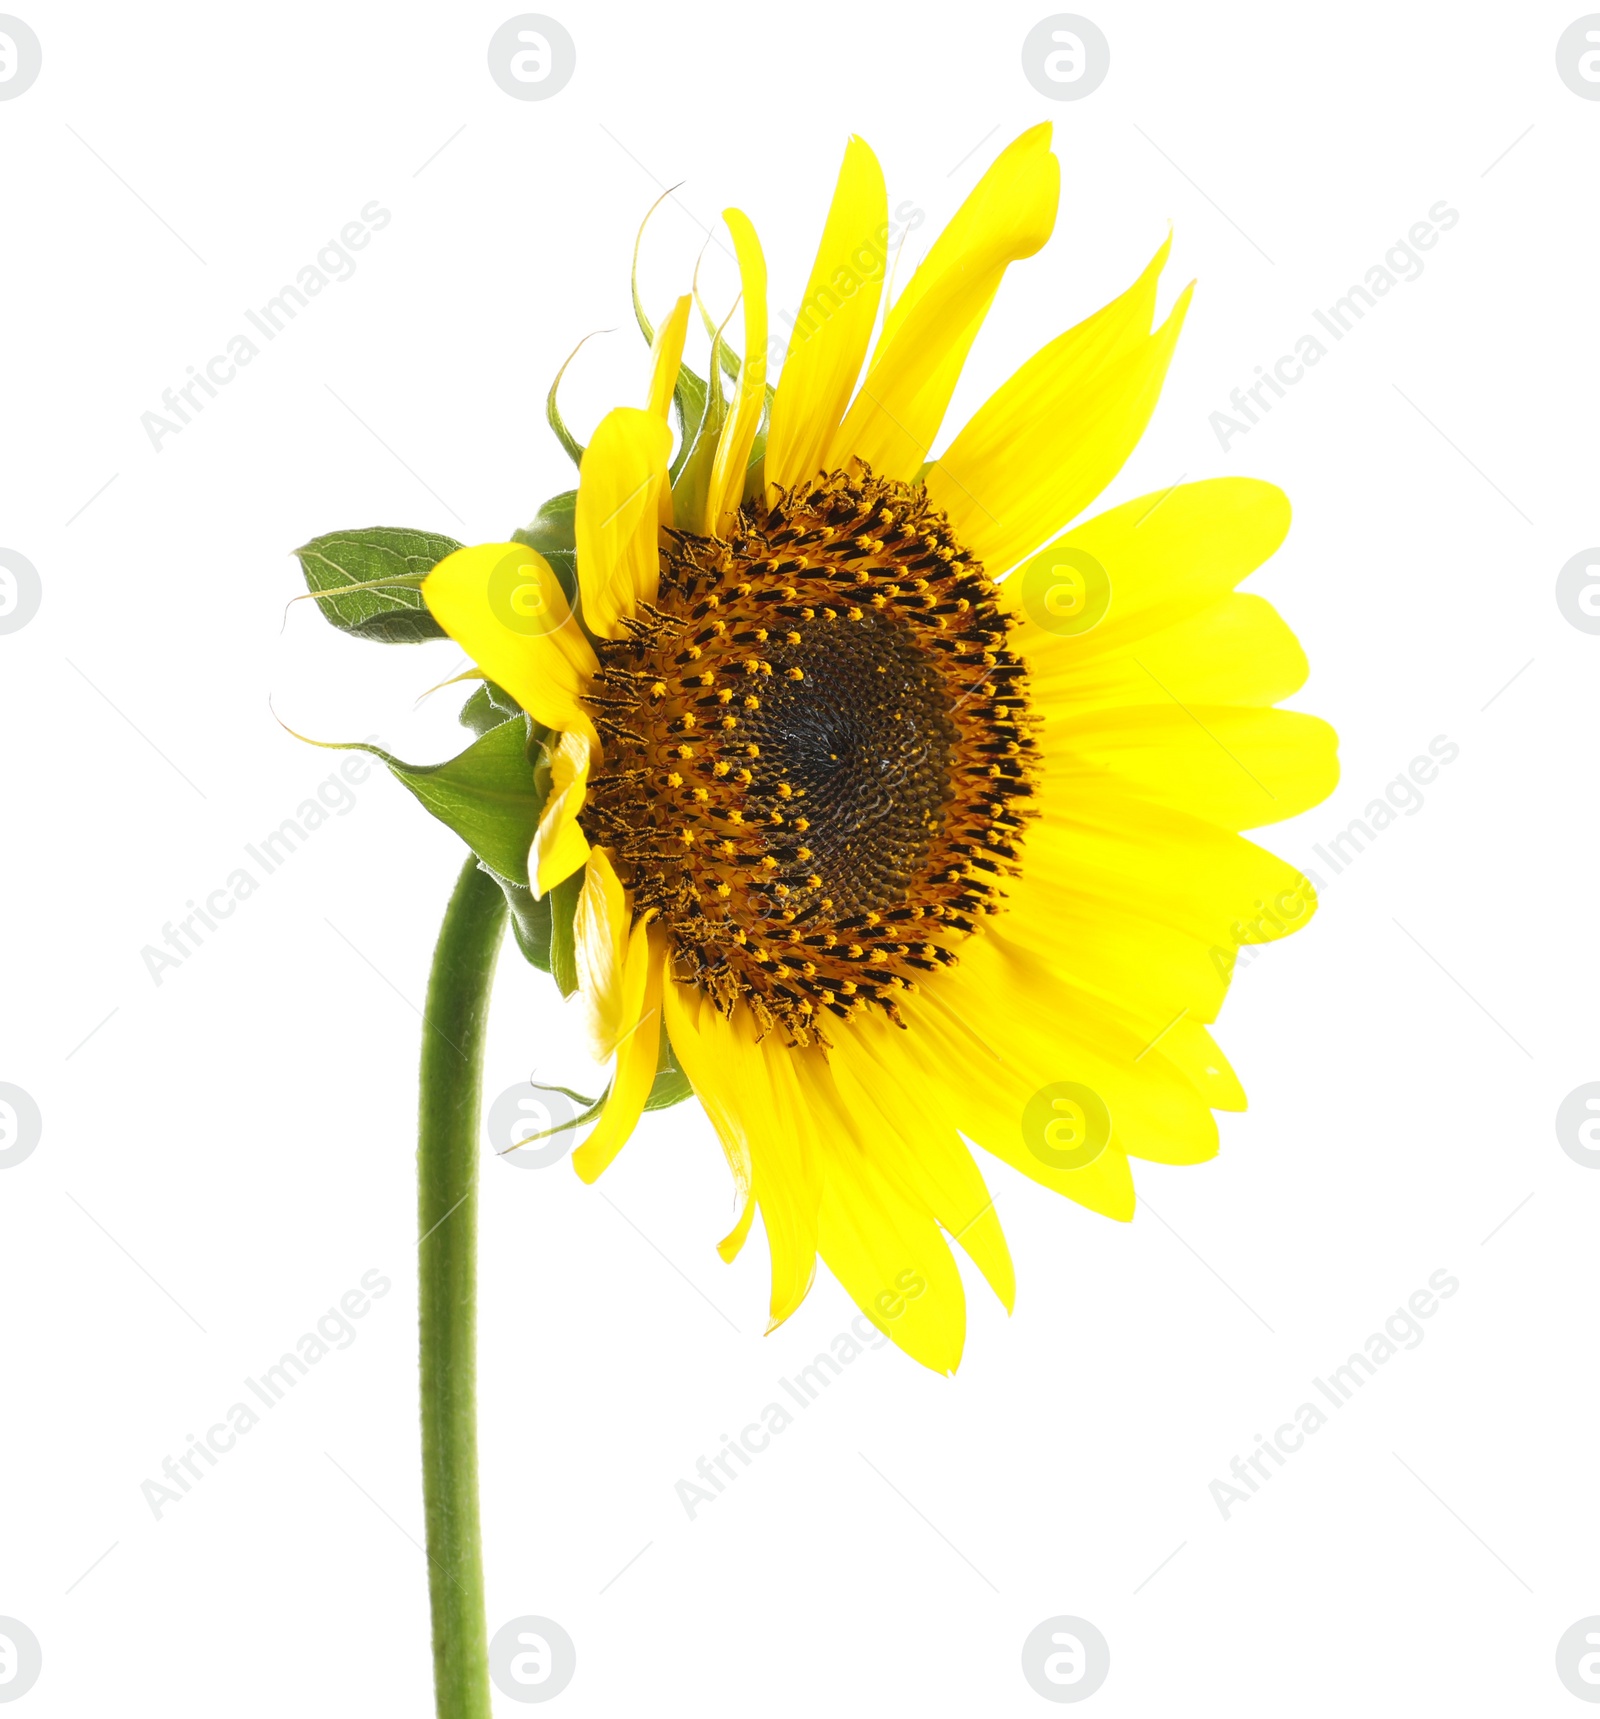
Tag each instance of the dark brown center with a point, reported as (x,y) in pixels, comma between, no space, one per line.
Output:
(817,752)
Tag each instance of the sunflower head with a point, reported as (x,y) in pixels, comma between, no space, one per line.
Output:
(817,753)
(901,811)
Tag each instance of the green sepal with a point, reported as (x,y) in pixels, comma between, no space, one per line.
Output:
(591,1113)
(563,899)
(487,795)
(671,1085)
(552,531)
(552,413)
(732,364)
(691,476)
(530,923)
(489,707)
(394,615)
(689,391)
(755,474)
(689,402)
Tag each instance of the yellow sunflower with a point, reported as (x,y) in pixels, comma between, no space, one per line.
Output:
(906,816)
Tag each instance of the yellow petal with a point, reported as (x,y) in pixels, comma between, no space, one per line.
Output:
(637,1051)
(1045,443)
(879,1241)
(1143,906)
(929,331)
(1239,651)
(559,845)
(1189,1047)
(1236,767)
(829,337)
(739,433)
(608,990)
(1165,557)
(1122,855)
(698,1036)
(733,1242)
(1058,1034)
(666,357)
(883,1246)
(666,360)
(504,606)
(618,515)
(878,1075)
(749,1097)
(985,1077)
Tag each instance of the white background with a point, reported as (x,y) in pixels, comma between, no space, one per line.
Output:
(230,1150)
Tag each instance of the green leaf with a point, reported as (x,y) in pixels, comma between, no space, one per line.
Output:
(394,616)
(488,707)
(486,794)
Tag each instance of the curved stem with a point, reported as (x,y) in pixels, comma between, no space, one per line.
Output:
(447,1222)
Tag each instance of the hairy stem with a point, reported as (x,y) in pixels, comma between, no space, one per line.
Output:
(447,1222)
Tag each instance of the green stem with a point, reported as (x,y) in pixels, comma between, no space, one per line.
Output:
(447,1221)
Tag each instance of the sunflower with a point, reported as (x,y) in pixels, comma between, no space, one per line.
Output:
(905,816)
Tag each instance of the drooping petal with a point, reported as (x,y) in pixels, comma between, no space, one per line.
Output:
(844,1129)
(739,433)
(608,992)
(503,604)
(559,844)
(1063,1035)
(881,1242)
(745,1094)
(618,515)
(637,1052)
(732,1244)
(985,1079)
(1046,442)
(829,336)
(930,329)
(878,1078)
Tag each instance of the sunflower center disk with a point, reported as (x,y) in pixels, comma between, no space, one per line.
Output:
(817,752)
